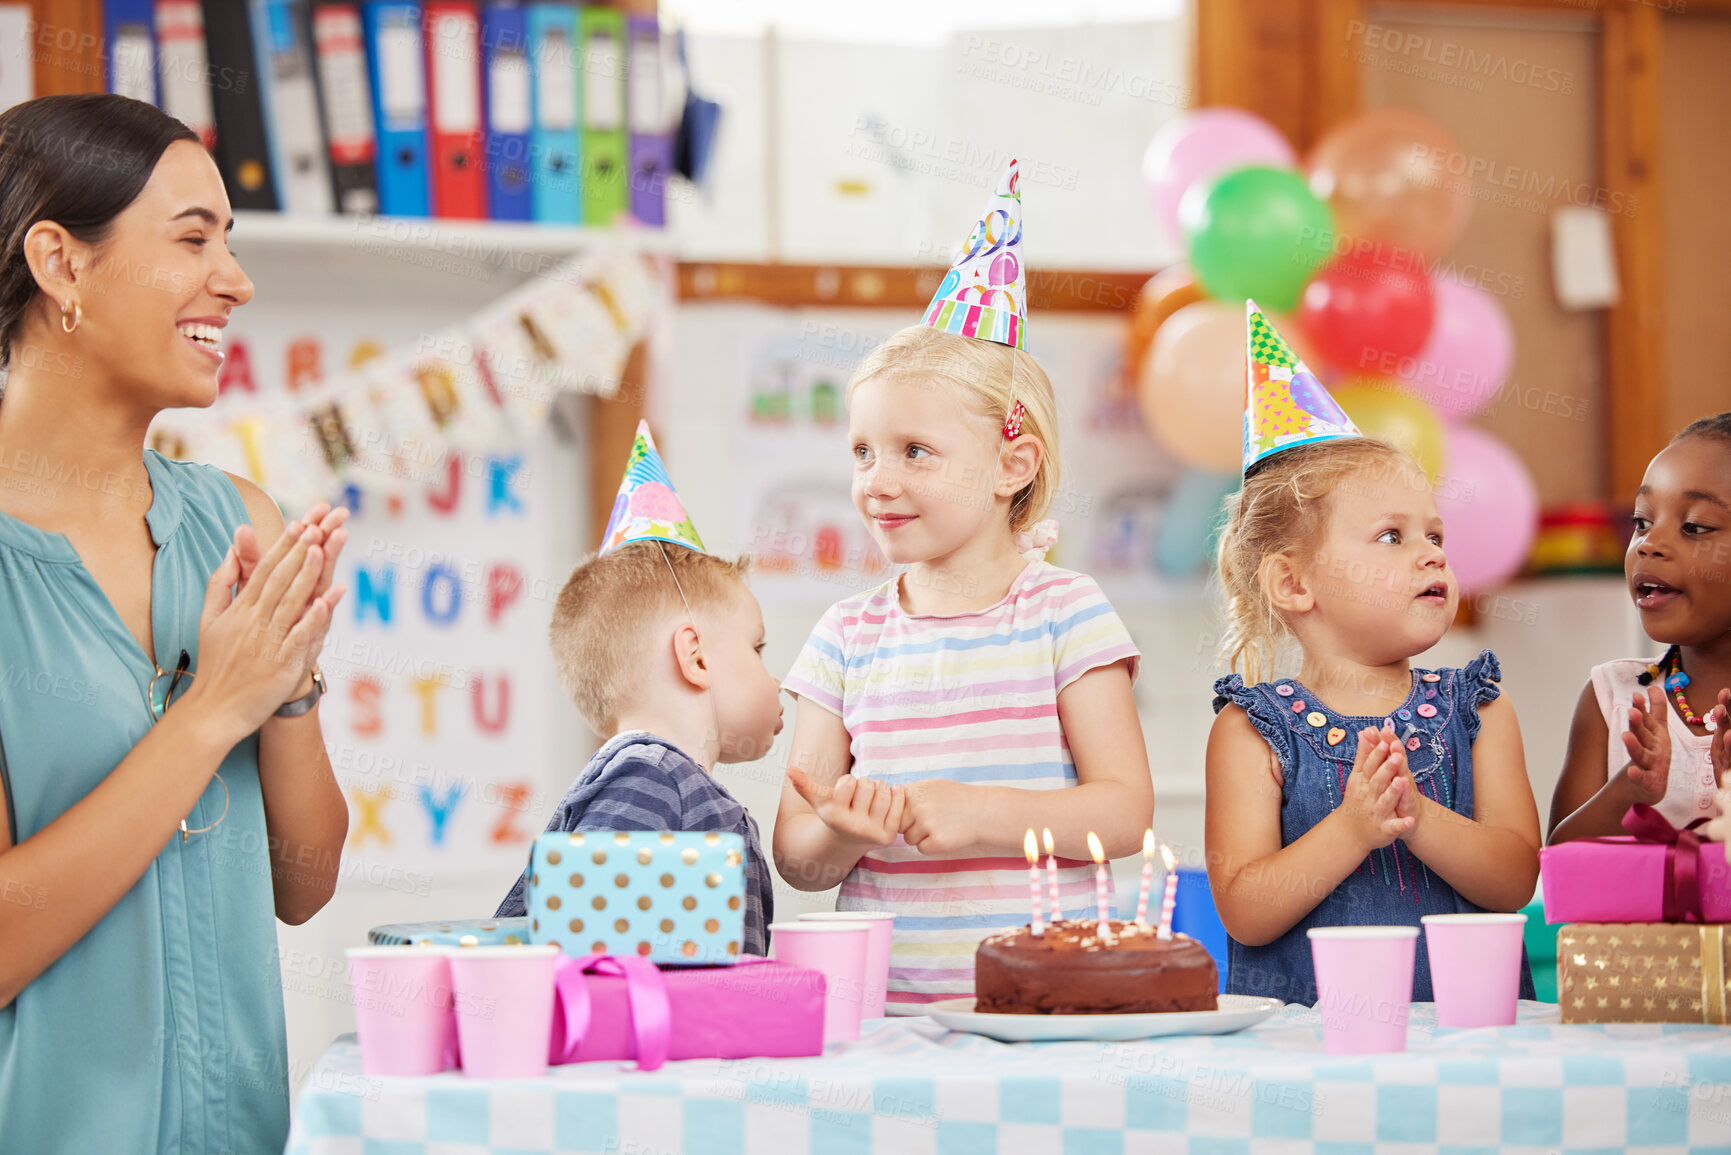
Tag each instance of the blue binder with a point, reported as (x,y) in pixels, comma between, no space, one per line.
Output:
(509,97)
(130,28)
(397,63)
(554,156)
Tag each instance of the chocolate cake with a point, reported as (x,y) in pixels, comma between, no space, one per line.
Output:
(1069,970)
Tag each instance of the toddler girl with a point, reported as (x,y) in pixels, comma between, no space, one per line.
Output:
(1627,745)
(1362,791)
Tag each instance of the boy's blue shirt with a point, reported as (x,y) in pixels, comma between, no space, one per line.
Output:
(637,781)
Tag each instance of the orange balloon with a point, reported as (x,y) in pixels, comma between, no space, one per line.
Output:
(1393,175)
(1192,386)
(1165,293)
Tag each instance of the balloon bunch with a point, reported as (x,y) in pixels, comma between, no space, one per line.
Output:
(1345,248)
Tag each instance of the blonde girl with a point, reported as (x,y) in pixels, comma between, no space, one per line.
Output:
(980,693)
(1364,790)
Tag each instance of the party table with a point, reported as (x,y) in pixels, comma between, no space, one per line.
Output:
(910,1087)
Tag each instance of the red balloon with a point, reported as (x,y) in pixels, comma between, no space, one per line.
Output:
(1364,315)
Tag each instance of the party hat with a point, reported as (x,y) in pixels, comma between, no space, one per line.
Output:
(647,508)
(983,294)
(1285,405)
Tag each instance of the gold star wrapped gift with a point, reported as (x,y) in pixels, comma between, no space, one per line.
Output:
(1642,972)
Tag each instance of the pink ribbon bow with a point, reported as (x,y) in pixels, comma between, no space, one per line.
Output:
(1682,859)
(645,989)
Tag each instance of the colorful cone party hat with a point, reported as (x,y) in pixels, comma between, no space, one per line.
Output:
(983,294)
(1285,405)
(647,508)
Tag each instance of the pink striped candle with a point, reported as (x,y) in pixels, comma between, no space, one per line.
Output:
(1052,878)
(1033,853)
(1171,898)
(1101,899)
(1147,878)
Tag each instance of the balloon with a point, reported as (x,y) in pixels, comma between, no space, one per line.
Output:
(1386,173)
(1256,232)
(1366,315)
(1165,293)
(1184,541)
(1468,356)
(1379,411)
(1489,507)
(1193,386)
(1198,146)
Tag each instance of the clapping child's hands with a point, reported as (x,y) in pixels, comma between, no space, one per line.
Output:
(858,808)
(1374,791)
(1648,741)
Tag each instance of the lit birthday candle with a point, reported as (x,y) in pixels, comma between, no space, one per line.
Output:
(1100,896)
(1171,891)
(1147,878)
(1052,877)
(1033,853)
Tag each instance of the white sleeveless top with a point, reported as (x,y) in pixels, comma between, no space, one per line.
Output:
(1690,788)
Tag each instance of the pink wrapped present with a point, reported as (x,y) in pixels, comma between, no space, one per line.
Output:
(1657,874)
(625,1007)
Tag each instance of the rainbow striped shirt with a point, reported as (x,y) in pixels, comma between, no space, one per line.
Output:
(971,697)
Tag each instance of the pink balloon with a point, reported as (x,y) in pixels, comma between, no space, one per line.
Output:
(1489,508)
(1468,355)
(1194,146)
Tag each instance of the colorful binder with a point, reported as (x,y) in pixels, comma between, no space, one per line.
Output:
(291,104)
(130,28)
(510,111)
(453,35)
(554,156)
(242,145)
(604,179)
(652,122)
(398,74)
(345,103)
(183,72)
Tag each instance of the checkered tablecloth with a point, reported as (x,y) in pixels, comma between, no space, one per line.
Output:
(909,1087)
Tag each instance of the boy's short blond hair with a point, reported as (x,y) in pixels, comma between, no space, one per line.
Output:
(990,377)
(608,607)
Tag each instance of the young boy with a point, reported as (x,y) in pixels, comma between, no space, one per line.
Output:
(660,645)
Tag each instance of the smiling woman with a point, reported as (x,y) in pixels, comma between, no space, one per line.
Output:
(162,773)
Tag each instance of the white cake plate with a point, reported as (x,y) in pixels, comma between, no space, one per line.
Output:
(1236,1012)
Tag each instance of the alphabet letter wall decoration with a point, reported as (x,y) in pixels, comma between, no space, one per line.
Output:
(370,805)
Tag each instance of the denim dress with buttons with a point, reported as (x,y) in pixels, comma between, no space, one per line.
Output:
(1438,723)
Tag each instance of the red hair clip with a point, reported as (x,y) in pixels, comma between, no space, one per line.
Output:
(1013,426)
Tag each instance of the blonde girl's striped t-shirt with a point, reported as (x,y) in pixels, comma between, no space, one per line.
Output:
(971,697)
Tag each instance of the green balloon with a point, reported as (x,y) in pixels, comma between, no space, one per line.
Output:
(1257,232)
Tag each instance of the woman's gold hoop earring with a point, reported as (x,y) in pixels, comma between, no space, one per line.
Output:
(77,315)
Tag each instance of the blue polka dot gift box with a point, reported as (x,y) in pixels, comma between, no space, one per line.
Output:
(452,932)
(668,896)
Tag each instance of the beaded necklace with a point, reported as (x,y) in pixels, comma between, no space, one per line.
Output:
(1674,679)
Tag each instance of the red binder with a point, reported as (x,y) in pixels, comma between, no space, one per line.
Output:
(453,39)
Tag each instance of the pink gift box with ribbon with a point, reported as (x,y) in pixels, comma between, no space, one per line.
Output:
(1658,873)
(625,1007)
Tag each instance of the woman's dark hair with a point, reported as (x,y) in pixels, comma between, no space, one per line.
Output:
(1718,425)
(76,160)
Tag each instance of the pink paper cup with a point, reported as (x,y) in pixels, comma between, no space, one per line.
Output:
(402,997)
(1363,986)
(883,926)
(503,1000)
(1475,967)
(839,950)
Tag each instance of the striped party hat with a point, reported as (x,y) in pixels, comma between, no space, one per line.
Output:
(647,508)
(983,295)
(1284,404)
